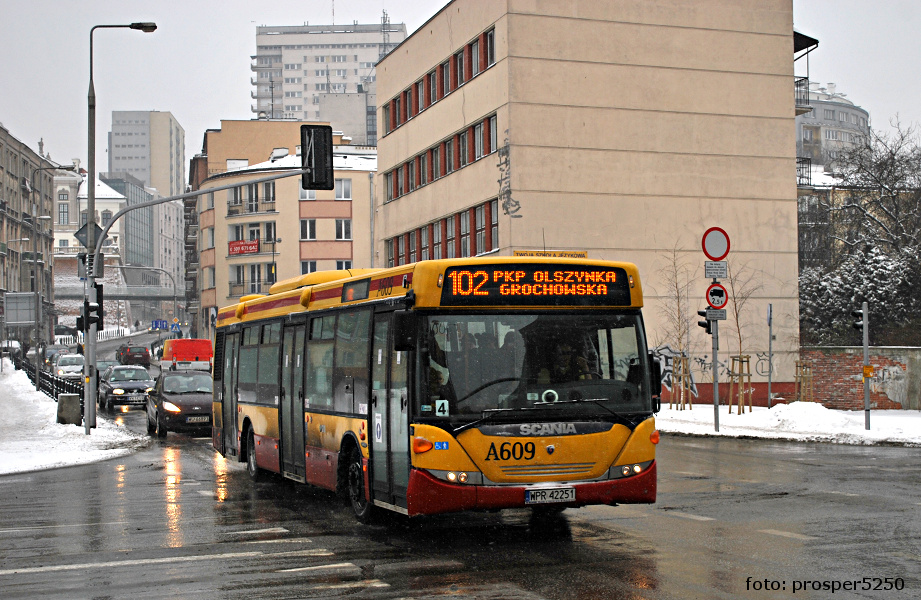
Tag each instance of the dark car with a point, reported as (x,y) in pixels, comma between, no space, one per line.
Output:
(181,401)
(124,385)
(49,353)
(133,355)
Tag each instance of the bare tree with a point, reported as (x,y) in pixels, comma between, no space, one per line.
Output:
(677,276)
(742,282)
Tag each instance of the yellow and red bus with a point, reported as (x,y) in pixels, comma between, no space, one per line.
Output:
(445,385)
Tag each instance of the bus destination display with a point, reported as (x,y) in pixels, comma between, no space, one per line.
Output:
(535,285)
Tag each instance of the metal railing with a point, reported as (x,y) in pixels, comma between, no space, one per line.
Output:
(249,208)
(803,172)
(49,384)
(243,288)
(801,92)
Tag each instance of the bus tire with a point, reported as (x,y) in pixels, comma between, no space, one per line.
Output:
(252,468)
(361,506)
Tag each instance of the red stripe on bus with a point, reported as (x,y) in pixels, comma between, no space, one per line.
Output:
(273,304)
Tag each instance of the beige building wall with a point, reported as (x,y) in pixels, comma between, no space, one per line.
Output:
(632,127)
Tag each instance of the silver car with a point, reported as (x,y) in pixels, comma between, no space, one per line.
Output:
(69,366)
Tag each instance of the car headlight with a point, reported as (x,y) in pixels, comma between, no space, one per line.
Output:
(167,405)
(148,390)
(60,372)
(118,391)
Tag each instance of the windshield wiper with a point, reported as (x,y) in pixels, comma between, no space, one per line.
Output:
(488,414)
(597,402)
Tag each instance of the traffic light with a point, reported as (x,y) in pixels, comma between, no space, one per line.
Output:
(707,325)
(90,314)
(317,156)
(81,323)
(860,322)
(100,310)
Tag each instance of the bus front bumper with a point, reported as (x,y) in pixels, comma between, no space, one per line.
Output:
(428,495)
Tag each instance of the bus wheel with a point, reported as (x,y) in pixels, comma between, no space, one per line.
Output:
(251,467)
(356,480)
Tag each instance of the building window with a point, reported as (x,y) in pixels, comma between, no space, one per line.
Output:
(420,95)
(475,58)
(436,163)
(494,218)
(411,174)
(807,135)
(209,201)
(449,156)
(408,98)
(305,195)
(490,47)
(63,214)
(477,141)
(493,134)
(388,185)
(343,229)
(308,229)
(449,238)
(83,218)
(436,241)
(462,150)
(830,114)
(208,236)
(386,112)
(235,196)
(401,250)
(424,245)
(480,229)
(400,187)
(422,159)
(464,233)
(433,87)
(445,78)
(343,189)
(208,273)
(268,191)
(341,265)
(459,65)
(308,266)
(412,246)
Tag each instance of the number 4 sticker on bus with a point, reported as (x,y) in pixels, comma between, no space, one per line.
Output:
(441,408)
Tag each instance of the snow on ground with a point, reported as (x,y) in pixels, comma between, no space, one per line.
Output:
(32,439)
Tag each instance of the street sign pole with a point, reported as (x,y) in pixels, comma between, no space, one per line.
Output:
(715,244)
(866,363)
(716,375)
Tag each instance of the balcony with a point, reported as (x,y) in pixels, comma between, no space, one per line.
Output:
(801,93)
(803,174)
(243,288)
(236,209)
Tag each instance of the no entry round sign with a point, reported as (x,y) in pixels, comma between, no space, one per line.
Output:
(715,243)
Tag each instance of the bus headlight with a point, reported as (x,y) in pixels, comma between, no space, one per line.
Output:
(621,471)
(456,477)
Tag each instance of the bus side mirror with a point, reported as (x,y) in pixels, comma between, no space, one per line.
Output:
(404,330)
(655,382)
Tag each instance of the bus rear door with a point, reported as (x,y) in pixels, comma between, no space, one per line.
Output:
(389,417)
(291,411)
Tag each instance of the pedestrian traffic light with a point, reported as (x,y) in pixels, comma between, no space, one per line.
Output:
(90,314)
(859,324)
(707,325)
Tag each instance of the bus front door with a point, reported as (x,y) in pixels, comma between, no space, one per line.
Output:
(388,419)
(229,394)
(291,413)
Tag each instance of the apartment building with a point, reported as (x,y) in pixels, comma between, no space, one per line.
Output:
(254,234)
(322,73)
(619,130)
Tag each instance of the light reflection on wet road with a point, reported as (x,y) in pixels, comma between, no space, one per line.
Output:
(179,521)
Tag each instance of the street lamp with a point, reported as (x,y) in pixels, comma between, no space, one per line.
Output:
(89,385)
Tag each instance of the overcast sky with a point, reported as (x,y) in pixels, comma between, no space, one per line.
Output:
(197,64)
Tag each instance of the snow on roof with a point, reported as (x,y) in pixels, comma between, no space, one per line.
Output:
(360,160)
(103,191)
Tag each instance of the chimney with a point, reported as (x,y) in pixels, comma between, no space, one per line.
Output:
(831,89)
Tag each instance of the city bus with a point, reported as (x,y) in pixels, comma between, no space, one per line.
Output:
(445,385)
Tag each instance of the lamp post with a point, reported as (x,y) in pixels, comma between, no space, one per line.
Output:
(36,209)
(89,372)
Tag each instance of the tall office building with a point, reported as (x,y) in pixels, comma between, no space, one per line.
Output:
(309,72)
(149,145)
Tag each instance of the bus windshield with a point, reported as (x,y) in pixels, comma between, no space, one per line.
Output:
(580,364)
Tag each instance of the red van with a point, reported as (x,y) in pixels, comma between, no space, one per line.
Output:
(196,354)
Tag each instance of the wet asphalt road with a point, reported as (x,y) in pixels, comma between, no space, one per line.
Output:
(178,521)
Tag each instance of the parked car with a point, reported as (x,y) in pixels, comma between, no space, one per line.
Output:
(68,366)
(133,355)
(124,385)
(65,330)
(194,354)
(181,401)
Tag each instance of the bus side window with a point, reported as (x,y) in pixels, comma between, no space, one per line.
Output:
(350,380)
(319,387)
